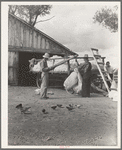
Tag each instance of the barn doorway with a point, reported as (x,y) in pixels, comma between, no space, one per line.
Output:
(26,78)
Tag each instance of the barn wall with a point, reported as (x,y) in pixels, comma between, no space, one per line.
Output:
(13,60)
(24,38)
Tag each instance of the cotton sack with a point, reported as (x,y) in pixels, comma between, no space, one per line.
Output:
(71,81)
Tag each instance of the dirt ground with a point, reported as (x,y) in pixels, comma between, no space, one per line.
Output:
(93,124)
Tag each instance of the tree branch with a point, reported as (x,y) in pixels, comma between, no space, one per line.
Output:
(35,20)
(45,20)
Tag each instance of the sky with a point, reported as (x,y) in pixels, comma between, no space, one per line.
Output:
(72,26)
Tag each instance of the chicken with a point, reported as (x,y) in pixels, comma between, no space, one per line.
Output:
(60,105)
(44,111)
(53,107)
(22,109)
(78,106)
(69,108)
(70,105)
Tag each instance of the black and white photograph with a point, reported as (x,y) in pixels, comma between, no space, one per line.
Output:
(60,65)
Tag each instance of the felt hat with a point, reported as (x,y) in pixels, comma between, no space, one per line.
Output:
(46,55)
(86,56)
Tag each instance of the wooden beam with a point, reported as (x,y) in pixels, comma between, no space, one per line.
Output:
(34,50)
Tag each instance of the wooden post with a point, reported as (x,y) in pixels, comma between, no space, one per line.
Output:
(68,67)
(53,64)
(103,59)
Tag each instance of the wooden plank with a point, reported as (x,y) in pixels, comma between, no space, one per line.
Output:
(47,44)
(30,49)
(12,31)
(43,43)
(30,39)
(10,75)
(13,68)
(15,59)
(10,58)
(34,39)
(22,34)
(27,37)
(94,49)
(17,33)
(9,31)
(36,30)
(39,40)
(68,67)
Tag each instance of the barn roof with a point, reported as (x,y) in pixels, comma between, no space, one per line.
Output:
(24,22)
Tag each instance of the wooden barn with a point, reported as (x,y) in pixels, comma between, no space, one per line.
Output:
(24,43)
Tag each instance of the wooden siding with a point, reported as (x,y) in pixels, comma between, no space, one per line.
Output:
(13,59)
(23,36)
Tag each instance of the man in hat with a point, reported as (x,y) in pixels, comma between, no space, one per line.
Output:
(110,71)
(85,71)
(44,77)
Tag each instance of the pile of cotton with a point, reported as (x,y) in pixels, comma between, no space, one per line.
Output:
(113,94)
(37,91)
(60,69)
(36,68)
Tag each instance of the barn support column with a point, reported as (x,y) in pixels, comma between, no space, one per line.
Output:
(68,67)
(68,64)
(13,61)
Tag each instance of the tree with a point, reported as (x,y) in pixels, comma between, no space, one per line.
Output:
(108,18)
(30,13)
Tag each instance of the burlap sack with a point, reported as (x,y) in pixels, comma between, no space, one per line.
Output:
(71,81)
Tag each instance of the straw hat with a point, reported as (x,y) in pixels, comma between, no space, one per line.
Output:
(46,55)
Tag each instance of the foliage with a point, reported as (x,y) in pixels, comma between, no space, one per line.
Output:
(30,13)
(108,17)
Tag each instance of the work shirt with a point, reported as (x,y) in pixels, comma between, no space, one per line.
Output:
(44,75)
(43,64)
(86,68)
(110,69)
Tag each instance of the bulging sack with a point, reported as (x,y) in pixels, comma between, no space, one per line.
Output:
(74,82)
(71,81)
(114,95)
(78,88)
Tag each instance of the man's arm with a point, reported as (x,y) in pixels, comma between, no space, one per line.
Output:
(76,62)
(42,66)
(87,66)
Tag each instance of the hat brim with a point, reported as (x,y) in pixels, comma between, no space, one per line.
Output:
(45,57)
(89,58)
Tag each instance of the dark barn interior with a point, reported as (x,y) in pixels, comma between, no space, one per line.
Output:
(27,78)
(26,42)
